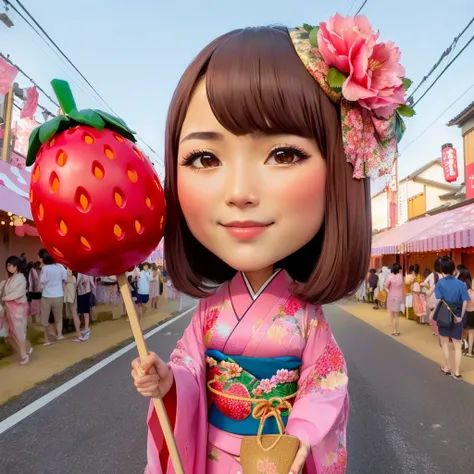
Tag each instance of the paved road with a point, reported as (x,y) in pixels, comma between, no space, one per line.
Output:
(407,418)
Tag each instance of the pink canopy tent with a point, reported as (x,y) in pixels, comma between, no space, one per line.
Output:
(454,231)
(14,186)
(392,241)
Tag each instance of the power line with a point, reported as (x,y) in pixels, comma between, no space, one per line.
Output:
(437,118)
(361,7)
(7,59)
(445,69)
(350,6)
(445,53)
(65,56)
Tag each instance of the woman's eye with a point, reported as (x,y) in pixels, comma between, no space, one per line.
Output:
(204,160)
(286,156)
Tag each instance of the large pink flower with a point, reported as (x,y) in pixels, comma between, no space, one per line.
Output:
(375,78)
(344,40)
(381,89)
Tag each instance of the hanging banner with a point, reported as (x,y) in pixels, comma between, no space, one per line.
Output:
(470,181)
(22,131)
(450,162)
(7,76)
(30,105)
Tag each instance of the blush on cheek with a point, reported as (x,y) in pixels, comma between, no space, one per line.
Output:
(308,191)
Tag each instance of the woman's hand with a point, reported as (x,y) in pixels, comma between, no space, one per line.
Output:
(300,458)
(457,320)
(152,377)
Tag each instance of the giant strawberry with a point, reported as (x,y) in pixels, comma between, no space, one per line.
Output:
(95,198)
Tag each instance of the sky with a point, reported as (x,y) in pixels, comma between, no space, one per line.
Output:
(134,53)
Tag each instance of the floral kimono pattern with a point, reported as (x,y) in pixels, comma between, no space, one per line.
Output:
(229,328)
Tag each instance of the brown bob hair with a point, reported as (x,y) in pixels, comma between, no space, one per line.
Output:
(256,82)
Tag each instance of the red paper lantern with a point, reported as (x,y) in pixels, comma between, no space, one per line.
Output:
(450,162)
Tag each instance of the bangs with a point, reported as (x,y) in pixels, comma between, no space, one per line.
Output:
(256,83)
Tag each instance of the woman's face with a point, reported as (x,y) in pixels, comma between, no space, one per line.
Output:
(251,200)
(12,269)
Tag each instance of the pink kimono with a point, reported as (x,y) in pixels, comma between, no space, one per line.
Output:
(234,331)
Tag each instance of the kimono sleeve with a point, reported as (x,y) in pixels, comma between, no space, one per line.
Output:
(186,405)
(320,413)
(16,290)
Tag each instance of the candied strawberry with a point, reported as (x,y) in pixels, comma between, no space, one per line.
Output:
(95,198)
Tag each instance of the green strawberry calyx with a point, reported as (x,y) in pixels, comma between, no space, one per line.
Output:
(72,118)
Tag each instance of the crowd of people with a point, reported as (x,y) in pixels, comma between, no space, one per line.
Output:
(59,299)
(442,299)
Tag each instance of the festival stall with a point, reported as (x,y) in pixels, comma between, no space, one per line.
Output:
(17,232)
(453,234)
(390,246)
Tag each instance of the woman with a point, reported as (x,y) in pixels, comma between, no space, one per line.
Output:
(143,288)
(453,293)
(419,300)
(70,303)
(372,284)
(34,291)
(268,219)
(395,297)
(155,286)
(464,275)
(52,300)
(15,302)
(85,287)
(431,300)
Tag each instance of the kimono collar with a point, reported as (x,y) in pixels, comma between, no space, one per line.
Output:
(243,297)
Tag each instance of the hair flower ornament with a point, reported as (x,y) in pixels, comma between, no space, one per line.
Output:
(366,78)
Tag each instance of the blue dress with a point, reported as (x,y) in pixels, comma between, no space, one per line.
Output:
(454,293)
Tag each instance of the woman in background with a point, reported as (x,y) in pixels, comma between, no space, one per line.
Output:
(52,299)
(34,291)
(155,286)
(143,289)
(85,287)
(453,293)
(15,301)
(394,288)
(431,301)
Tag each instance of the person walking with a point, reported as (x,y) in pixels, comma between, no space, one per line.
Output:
(85,286)
(465,276)
(52,300)
(143,293)
(394,289)
(431,301)
(453,294)
(15,319)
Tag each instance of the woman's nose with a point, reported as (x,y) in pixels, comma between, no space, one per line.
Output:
(242,187)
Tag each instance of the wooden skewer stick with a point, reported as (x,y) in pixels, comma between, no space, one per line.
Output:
(143,352)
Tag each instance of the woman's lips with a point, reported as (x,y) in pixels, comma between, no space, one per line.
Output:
(246,230)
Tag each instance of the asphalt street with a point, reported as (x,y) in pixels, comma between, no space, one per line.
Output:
(406,417)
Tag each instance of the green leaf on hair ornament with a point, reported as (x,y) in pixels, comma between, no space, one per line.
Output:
(407,83)
(71,118)
(335,79)
(307,27)
(313,37)
(406,111)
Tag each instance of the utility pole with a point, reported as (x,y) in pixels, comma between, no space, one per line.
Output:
(8,112)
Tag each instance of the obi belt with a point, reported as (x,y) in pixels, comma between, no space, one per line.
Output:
(251,395)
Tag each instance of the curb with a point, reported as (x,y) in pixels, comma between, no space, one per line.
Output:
(17,402)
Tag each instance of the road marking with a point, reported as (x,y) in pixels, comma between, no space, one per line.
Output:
(49,397)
